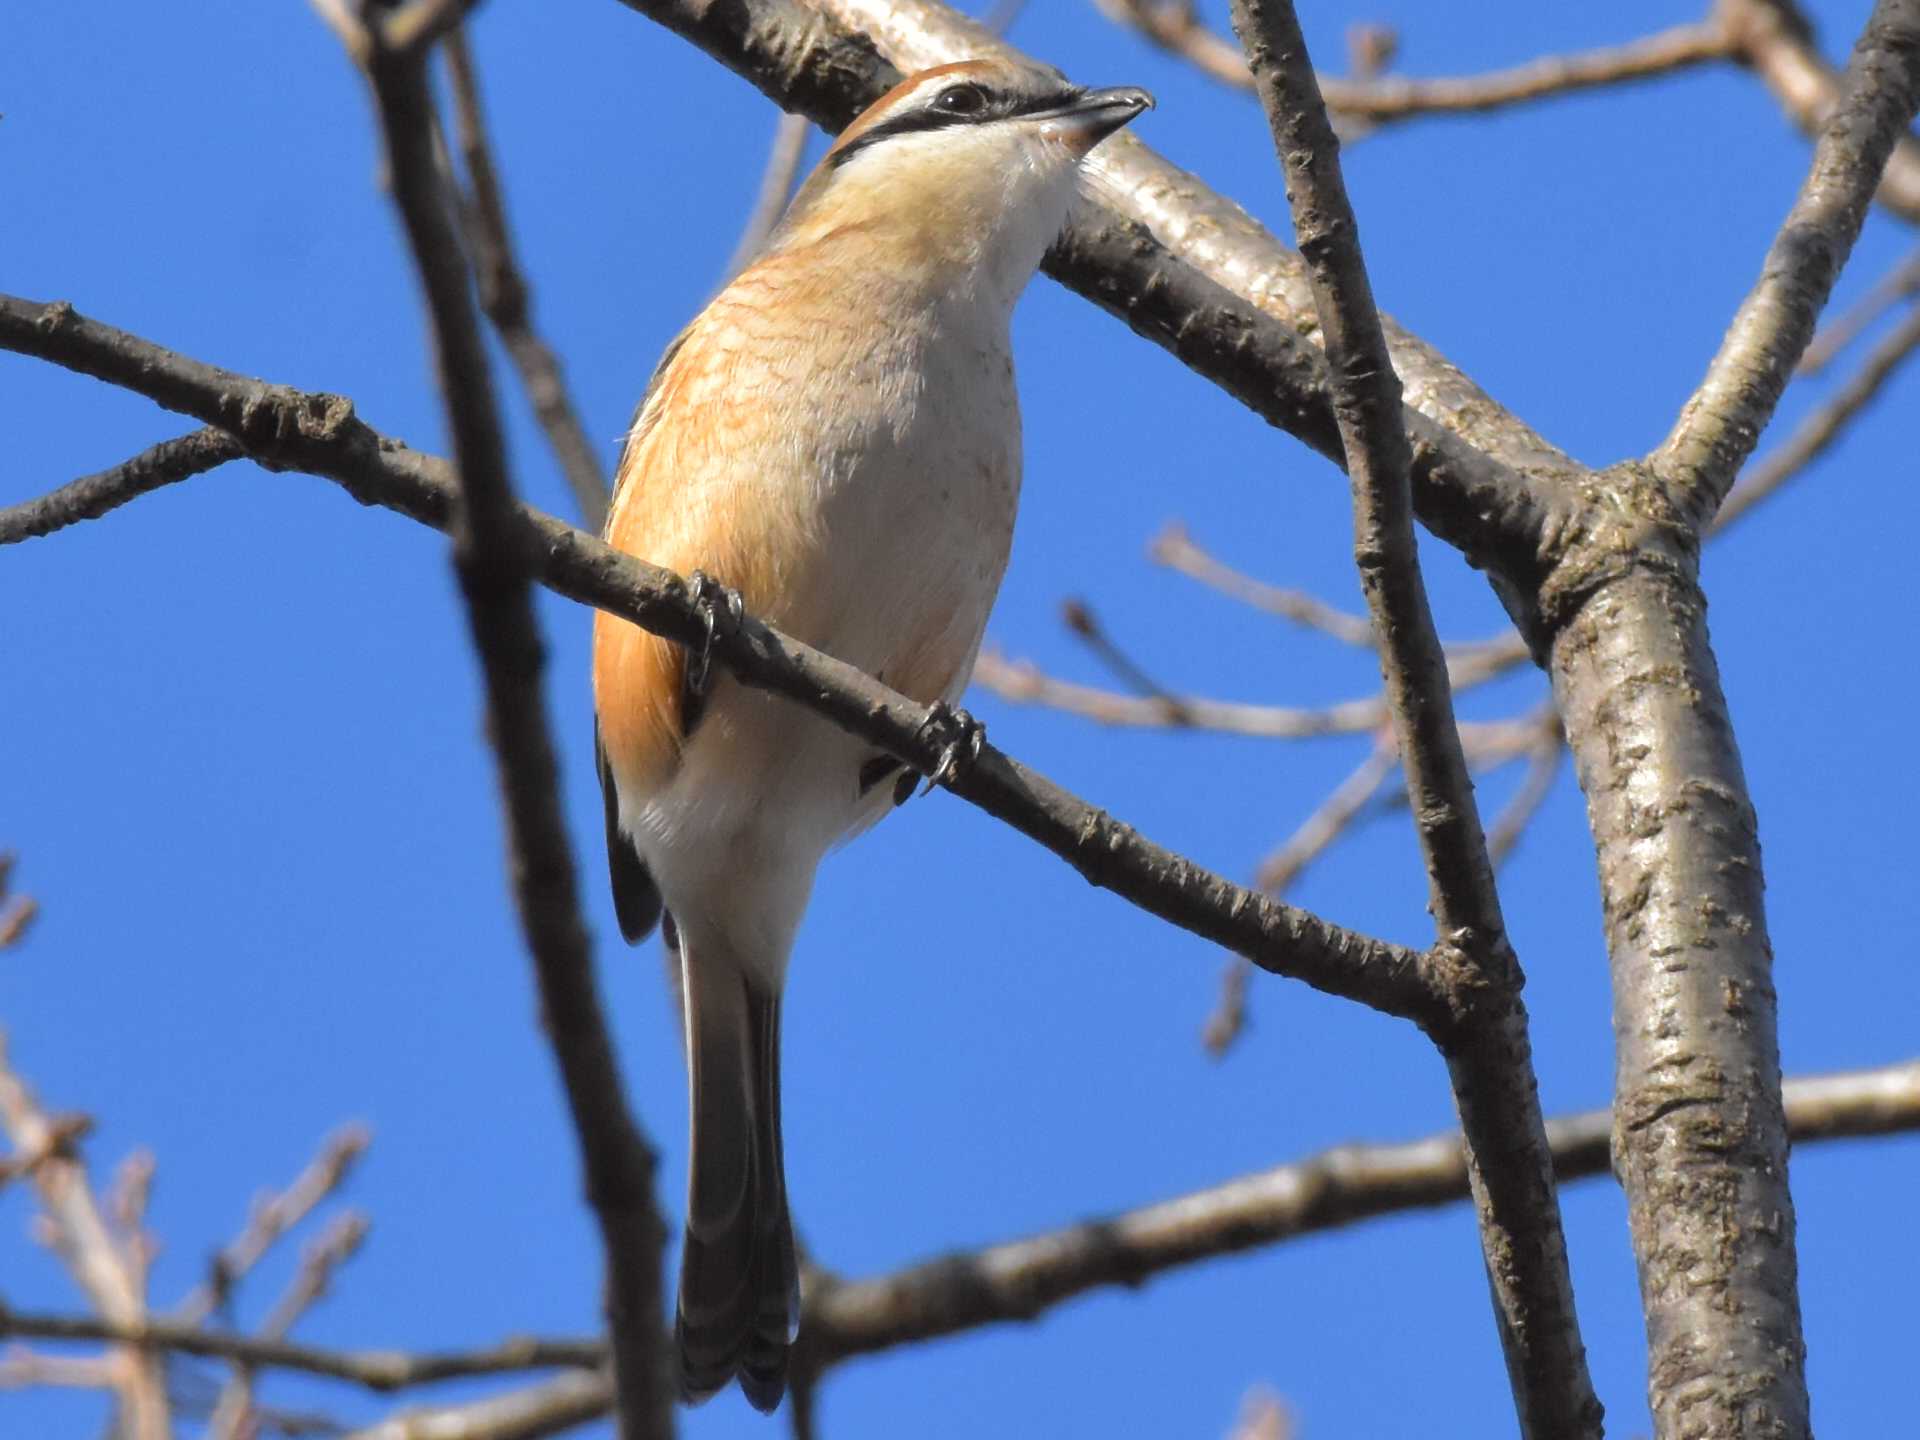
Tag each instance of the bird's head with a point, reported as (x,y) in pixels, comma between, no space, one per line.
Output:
(969,168)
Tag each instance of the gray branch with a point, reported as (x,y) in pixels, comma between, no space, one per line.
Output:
(1488,1054)
(492,562)
(1721,423)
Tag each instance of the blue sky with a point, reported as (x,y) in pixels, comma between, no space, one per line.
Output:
(246,779)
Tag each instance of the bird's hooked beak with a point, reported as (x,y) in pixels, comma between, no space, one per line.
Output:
(1090,116)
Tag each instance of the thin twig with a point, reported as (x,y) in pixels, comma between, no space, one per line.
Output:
(272,1216)
(92,496)
(409,31)
(784,155)
(1174,26)
(1086,627)
(507,299)
(1902,283)
(1825,425)
(549,1408)
(1777,43)
(381,1371)
(1278,872)
(321,435)
(1722,420)
(1022,683)
(24,1369)
(491,561)
(1174,548)
(1543,769)
(337,1244)
(1488,1057)
(1378,101)
(106,1273)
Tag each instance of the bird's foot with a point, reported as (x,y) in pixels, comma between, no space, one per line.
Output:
(959,736)
(717,604)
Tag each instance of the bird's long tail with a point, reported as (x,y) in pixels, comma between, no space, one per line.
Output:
(739,1305)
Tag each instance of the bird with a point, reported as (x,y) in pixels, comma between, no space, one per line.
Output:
(833,444)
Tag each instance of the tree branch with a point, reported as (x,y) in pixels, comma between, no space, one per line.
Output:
(1700,1142)
(321,435)
(1175,27)
(1488,1056)
(1902,283)
(549,1408)
(776,188)
(1776,42)
(1823,426)
(1018,1280)
(506,297)
(491,560)
(1022,1279)
(271,1218)
(1174,548)
(105,1273)
(382,1371)
(92,496)
(1721,422)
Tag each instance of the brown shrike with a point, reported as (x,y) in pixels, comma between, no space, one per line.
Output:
(836,442)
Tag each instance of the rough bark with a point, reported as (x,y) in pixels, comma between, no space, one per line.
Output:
(1700,1140)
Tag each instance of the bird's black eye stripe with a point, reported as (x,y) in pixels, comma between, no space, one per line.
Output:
(962,103)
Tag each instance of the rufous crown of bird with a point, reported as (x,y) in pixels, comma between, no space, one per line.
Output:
(832,445)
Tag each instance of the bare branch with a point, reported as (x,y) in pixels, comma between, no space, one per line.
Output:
(1174,548)
(1174,26)
(492,562)
(377,1370)
(1542,771)
(110,1277)
(321,435)
(24,1369)
(1488,1052)
(1277,873)
(273,1215)
(789,148)
(1721,422)
(337,1244)
(1700,1139)
(1024,684)
(1350,797)
(1776,42)
(16,911)
(1902,283)
(1823,426)
(1397,98)
(408,32)
(506,297)
(1022,1279)
(1086,626)
(92,496)
(550,1408)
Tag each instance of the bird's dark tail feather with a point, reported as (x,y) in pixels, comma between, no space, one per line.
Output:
(739,1301)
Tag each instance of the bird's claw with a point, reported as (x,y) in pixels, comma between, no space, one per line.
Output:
(960,737)
(712,600)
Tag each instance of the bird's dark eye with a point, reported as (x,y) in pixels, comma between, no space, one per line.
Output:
(961,100)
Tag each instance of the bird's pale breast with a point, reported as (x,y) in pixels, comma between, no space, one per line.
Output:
(856,483)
